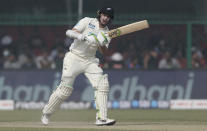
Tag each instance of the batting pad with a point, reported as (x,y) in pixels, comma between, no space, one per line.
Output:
(96,103)
(57,97)
(102,97)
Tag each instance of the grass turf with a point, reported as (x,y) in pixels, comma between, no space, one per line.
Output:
(127,118)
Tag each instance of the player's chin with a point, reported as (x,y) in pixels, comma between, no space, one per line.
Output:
(105,23)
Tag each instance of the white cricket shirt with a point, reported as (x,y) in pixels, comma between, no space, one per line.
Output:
(86,26)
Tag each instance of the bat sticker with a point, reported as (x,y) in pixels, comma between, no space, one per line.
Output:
(116,33)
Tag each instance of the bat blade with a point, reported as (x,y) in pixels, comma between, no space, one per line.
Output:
(136,26)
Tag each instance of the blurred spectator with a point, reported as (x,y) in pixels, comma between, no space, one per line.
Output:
(36,43)
(197,60)
(58,60)
(127,59)
(168,62)
(22,58)
(44,61)
(134,64)
(29,64)
(132,50)
(10,61)
(6,40)
(150,60)
(181,59)
(162,45)
(30,46)
(117,61)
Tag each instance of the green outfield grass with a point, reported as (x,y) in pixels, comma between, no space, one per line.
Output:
(82,120)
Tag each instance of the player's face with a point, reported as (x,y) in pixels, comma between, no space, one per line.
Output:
(104,19)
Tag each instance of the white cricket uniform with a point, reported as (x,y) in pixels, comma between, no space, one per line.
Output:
(81,57)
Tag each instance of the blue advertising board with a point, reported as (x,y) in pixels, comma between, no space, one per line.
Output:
(125,85)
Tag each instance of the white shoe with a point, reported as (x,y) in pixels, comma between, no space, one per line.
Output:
(45,119)
(106,122)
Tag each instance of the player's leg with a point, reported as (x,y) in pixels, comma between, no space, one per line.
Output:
(101,90)
(70,70)
(57,97)
(94,78)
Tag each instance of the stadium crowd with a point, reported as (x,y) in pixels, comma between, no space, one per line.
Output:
(160,47)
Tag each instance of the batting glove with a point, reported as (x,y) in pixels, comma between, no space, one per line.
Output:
(91,39)
(103,38)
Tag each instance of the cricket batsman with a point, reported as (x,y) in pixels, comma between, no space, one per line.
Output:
(90,35)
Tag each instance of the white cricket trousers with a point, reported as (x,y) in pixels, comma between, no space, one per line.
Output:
(73,65)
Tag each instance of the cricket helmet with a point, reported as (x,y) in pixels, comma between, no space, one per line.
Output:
(106,10)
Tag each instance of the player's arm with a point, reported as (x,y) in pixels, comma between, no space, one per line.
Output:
(102,49)
(74,29)
(76,32)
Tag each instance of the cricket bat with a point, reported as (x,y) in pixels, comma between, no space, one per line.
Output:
(123,30)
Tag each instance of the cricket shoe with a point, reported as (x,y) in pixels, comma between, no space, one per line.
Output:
(107,122)
(45,119)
